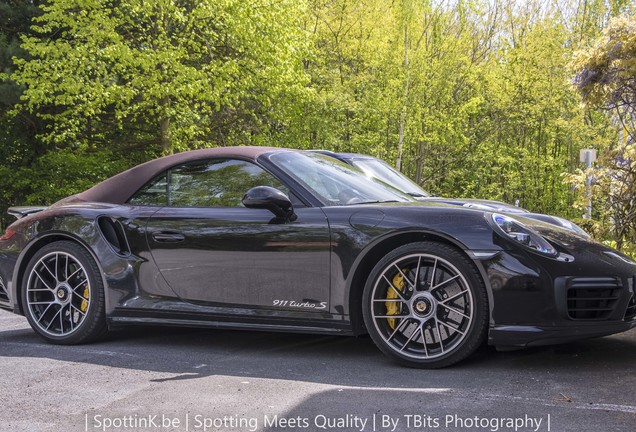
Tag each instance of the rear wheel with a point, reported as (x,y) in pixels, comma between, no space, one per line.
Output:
(63,294)
(425,305)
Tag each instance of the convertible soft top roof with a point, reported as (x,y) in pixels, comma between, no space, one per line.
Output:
(119,188)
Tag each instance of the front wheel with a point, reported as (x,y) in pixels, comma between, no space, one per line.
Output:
(425,305)
(63,294)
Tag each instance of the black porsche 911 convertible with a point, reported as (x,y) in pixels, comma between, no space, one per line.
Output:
(274,239)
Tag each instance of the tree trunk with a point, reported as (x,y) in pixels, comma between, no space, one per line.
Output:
(400,149)
(164,127)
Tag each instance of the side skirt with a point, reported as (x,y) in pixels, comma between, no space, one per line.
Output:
(271,324)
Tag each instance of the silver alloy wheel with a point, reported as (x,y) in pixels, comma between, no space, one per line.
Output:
(422,306)
(58,294)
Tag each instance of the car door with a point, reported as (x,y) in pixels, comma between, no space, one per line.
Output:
(212,250)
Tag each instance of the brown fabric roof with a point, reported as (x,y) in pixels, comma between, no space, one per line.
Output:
(119,188)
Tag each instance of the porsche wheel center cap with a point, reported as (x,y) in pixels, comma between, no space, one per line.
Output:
(423,306)
(62,293)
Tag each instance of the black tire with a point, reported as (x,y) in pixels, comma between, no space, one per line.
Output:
(63,294)
(425,305)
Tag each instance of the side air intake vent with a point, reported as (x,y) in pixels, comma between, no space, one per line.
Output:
(4,294)
(113,233)
(630,313)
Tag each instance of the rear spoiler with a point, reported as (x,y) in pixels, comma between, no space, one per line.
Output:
(22,211)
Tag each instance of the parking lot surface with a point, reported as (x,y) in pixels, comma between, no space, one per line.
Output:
(161,379)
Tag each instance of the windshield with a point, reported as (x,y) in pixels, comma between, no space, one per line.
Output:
(381,170)
(334,182)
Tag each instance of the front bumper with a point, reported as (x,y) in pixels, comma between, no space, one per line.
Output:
(542,301)
(526,336)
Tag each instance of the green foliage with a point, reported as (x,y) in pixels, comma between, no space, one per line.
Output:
(531,126)
(470,98)
(167,75)
(606,79)
(18,147)
(613,193)
(607,71)
(69,171)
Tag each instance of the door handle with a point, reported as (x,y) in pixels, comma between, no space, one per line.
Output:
(167,236)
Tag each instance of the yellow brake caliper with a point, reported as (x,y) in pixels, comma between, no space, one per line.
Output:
(84,304)
(393,307)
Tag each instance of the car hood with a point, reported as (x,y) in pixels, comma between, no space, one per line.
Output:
(566,240)
(474,203)
(502,207)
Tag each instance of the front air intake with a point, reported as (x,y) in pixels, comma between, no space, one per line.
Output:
(592,298)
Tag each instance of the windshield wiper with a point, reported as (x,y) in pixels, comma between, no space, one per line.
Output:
(377,202)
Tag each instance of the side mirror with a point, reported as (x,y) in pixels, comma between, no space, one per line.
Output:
(266,197)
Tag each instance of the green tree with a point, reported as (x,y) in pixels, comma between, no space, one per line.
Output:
(606,79)
(439,88)
(470,98)
(532,126)
(613,193)
(18,148)
(164,75)
(607,72)
(349,40)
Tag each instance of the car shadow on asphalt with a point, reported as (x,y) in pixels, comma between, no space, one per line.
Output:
(192,353)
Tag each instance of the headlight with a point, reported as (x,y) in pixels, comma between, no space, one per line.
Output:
(515,230)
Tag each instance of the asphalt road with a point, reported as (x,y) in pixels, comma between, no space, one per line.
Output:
(157,379)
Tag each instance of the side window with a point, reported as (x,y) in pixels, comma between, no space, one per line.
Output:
(216,183)
(154,193)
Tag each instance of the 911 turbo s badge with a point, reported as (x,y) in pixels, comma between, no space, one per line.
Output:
(305,304)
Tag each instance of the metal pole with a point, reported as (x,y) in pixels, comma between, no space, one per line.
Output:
(588,185)
(588,156)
